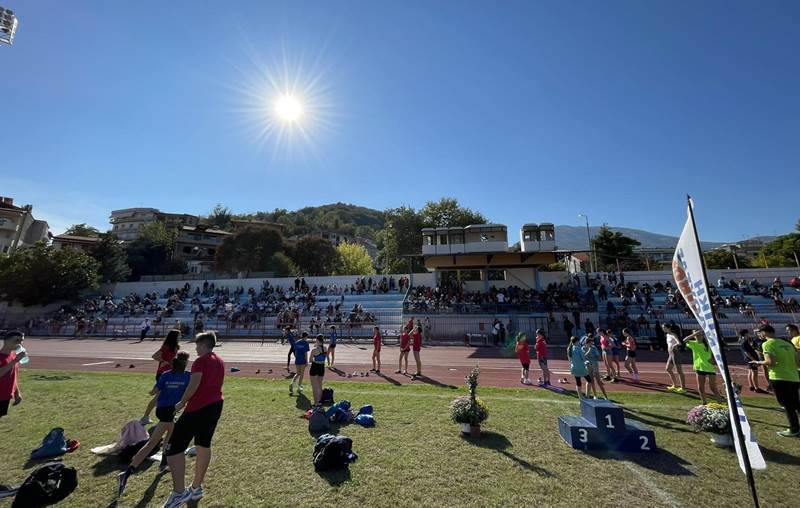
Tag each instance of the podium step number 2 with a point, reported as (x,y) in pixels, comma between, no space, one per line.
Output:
(602,426)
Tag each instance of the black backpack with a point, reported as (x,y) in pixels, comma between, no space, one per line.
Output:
(47,485)
(327,396)
(318,422)
(333,452)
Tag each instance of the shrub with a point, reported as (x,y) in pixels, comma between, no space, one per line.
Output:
(469,408)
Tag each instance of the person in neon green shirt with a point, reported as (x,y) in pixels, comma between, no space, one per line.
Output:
(703,363)
(793,332)
(780,357)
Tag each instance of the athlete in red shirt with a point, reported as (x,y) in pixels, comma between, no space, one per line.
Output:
(9,364)
(416,346)
(541,356)
(523,353)
(203,401)
(377,342)
(405,347)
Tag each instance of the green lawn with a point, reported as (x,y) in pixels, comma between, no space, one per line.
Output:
(414,457)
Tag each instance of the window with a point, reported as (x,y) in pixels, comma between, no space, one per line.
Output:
(442,239)
(496,275)
(427,240)
(484,238)
(469,275)
(187,250)
(211,252)
(457,238)
(549,236)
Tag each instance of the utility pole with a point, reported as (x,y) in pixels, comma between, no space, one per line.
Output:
(589,242)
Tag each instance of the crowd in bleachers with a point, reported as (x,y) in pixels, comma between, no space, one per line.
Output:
(455,298)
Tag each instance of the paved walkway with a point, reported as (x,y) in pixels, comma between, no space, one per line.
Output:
(442,365)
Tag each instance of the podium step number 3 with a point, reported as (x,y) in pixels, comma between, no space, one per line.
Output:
(602,426)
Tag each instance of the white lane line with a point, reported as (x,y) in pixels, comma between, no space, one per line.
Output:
(95,363)
(664,496)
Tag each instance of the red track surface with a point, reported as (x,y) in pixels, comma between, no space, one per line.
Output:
(442,365)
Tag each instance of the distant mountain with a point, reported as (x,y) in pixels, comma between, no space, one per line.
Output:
(574,237)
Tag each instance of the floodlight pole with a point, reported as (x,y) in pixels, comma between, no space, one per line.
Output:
(589,240)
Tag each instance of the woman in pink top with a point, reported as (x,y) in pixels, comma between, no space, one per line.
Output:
(630,357)
(605,350)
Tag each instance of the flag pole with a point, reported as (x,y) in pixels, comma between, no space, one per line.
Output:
(729,384)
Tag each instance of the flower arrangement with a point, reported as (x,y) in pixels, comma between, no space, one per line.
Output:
(711,417)
(469,408)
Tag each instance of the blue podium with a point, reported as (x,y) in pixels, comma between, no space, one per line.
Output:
(602,426)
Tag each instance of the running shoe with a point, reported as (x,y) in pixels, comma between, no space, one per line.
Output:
(300,389)
(680,390)
(177,499)
(788,433)
(197,493)
(671,388)
(122,481)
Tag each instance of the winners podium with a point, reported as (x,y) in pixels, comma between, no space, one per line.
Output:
(602,426)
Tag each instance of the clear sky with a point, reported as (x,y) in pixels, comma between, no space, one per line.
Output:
(529,111)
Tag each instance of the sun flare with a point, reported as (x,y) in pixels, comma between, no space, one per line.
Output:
(288,108)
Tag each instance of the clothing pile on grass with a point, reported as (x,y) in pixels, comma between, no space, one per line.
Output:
(131,439)
(341,412)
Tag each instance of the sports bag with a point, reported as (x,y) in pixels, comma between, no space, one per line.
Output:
(333,452)
(318,423)
(327,396)
(47,485)
(53,445)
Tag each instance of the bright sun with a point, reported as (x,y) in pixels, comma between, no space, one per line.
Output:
(288,108)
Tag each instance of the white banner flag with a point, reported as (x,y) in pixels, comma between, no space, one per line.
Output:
(688,272)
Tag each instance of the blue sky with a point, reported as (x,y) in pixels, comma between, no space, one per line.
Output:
(530,111)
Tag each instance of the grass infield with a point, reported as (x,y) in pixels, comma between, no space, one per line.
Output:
(415,456)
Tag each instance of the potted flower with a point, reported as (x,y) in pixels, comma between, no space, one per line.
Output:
(712,418)
(469,410)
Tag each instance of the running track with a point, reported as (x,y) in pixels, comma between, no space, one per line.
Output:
(442,365)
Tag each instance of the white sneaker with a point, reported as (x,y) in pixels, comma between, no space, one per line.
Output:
(300,389)
(197,493)
(177,499)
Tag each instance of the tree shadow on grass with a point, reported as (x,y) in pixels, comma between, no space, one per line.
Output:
(335,478)
(660,461)
(500,444)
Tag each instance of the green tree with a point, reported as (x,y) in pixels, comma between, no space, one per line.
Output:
(220,217)
(400,242)
(315,256)
(39,275)
(723,258)
(612,246)
(249,250)
(780,252)
(152,253)
(355,260)
(447,212)
(112,259)
(82,229)
(283,266)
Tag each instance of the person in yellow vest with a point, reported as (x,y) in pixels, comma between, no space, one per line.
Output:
(780,357)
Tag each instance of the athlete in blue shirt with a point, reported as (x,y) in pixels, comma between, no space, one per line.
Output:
(300,348)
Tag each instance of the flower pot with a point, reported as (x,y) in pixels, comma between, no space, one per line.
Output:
(465,428)
(474,431)
(721,440)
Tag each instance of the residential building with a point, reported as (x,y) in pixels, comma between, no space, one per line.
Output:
(18,227)
(126,223)
(83,243)
(197,245)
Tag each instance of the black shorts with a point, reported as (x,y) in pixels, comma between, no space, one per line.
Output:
(578,379)
(198,425)
(165,414)
(631,354)
(4,407)
(317,369)
(331,346)
(702,373)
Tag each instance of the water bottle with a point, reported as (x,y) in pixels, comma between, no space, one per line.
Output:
(19,350)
